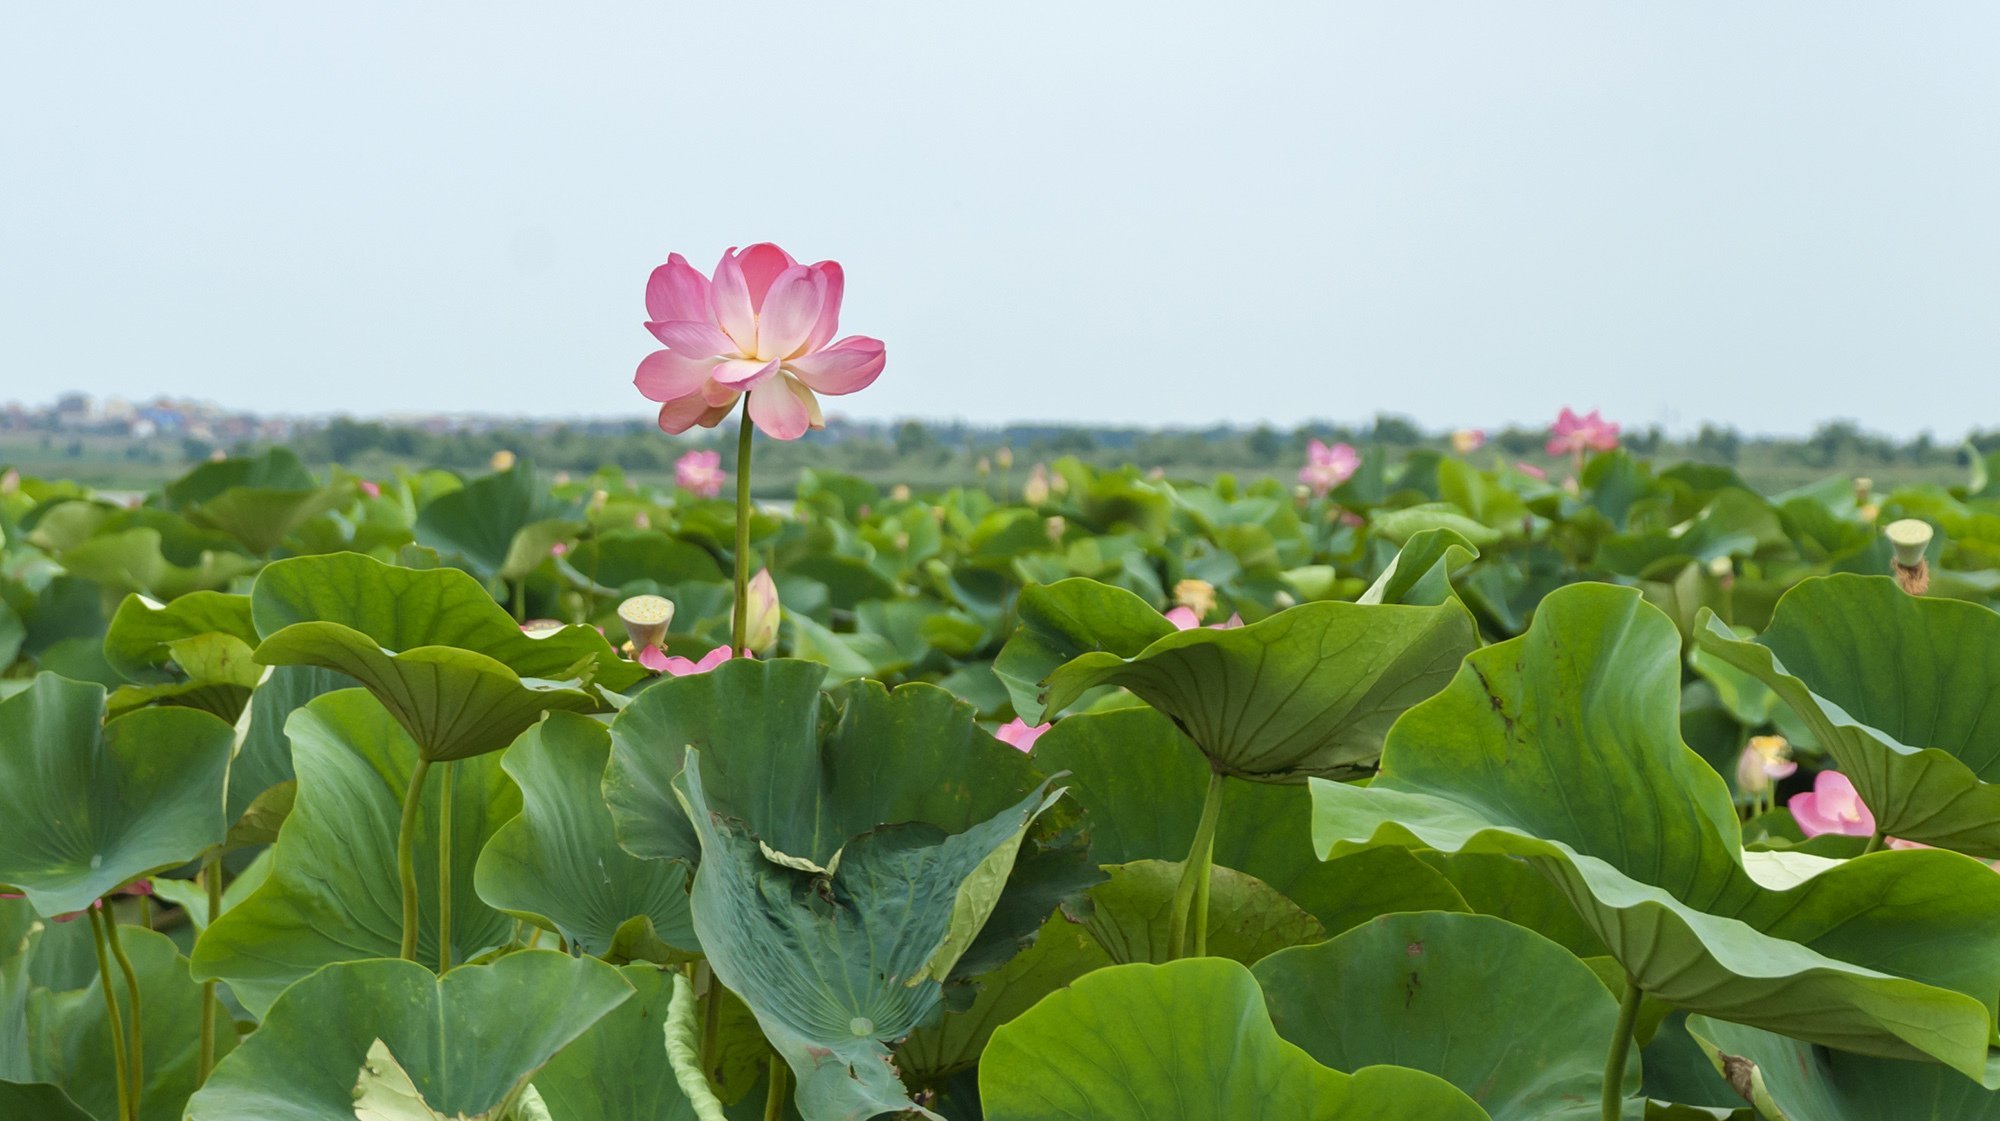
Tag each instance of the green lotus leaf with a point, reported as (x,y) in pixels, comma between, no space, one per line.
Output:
(1140,784)
(1421,572)
(808,771)
(616,1071)
(558,864)
(468,1040)
(833,964)
(1062,951)
(432,646)
(90,806)
(258,501)
(1792,1081)
(139,641)
(333,893)
(1130,915)
(68,1035)
(625,557)
(1896,688)
(1561,748)
(221,671)
(39,1100)
(503,523)
(1062,621)
(1428,990)
(136,559)
(1309,691)
(1189,1041)
(264,760)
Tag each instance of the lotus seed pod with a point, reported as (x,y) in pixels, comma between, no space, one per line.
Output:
(646,620)
(1910,537)
(1004,458)
(502,460)
(1197,596)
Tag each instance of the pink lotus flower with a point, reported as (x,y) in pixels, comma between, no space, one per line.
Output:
(1579,435)
(1020,734)
(1532,471)
(1465,441)
(1328,467)
(700,472)
(764,327)
(370,488)
(1831,807)
(1184,619)
(673,665)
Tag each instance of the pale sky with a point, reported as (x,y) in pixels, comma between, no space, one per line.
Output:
(1763,214)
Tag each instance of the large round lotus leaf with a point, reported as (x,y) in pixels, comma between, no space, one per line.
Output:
(257,500)
(1495,1009)
(623,557)
(618,1070)
(1793,1081)
(1421,572)
(449,663)
(1896,688)
(1131,915)
(1140,783)
(466,1040)
(834,963)
(1562,748)
(68,1035)
(808,771)
(503,523)
(1188,1041)
(264,759)
(333,894)
(558,865)
(90,807)
(1309,691)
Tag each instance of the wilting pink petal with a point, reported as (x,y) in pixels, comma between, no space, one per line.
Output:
(683,413)
(665,375)
(1532,471)
(701,473)
(789,311)
(681,667)
(729,296)
(829,306)
(762,264)
(677,290)
(778,411)
(693,338)
(1183,618)
(846,366)
(655,659)
(1020,734)
(1833,806)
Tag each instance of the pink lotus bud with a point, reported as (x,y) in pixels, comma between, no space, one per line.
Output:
(369,487)
(1765,758)
(760,630)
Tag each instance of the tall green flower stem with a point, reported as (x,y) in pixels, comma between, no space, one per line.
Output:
(211,880)
(138,1047)
(774,1093)
(1621,1045)
(739,623)
(406,856)
(444,867)
(116,1021)
(1191,893)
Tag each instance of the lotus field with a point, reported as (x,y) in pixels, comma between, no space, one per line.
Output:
(1421,790)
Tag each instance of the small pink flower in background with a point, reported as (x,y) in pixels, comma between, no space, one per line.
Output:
(560,548)
(700,472)
(1184,618)
(1465,441)
(764,326)
(369,487)
(1532,471)
(1579,435)
(1831,807)
(1328,467)
(1020,734)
